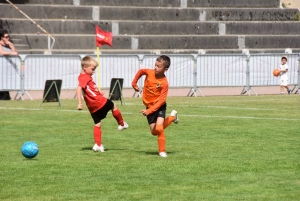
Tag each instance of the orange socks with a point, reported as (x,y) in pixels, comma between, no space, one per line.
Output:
(97,135)
(159,131)
(161,139)
(168,121)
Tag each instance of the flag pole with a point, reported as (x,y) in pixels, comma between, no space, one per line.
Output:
(99,69)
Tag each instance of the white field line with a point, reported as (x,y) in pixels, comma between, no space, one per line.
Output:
(186,106)
(235,108)
(241,117)
(184,115)
(220,107)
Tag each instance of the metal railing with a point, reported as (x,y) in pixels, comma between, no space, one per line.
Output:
(186,71)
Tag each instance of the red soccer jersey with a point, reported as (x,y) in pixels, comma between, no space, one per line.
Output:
(93,98)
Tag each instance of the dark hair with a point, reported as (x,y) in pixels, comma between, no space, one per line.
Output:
(2,33)
(165,59)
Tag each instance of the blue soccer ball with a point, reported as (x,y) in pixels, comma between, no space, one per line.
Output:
(30,149)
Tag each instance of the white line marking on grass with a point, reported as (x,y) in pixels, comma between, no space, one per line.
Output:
(18,108)
(224,107)
(49,110)
(238,108)
(186,115)
(240,117)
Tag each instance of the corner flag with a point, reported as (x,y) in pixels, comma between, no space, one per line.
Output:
(103,38)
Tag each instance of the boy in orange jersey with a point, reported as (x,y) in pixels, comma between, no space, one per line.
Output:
(154,98)
(97,104)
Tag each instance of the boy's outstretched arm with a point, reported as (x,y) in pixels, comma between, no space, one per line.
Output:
(79,95)
(137,76)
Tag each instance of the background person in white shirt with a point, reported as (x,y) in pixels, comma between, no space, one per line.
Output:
(283,75)
(7,48)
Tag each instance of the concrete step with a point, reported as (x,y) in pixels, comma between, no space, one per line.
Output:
(25,26)
(234,3)
(150,14)
(165,42)
(47,2)
(160,3)
(21,47)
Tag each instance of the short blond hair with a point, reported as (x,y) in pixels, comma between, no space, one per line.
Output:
(88,61)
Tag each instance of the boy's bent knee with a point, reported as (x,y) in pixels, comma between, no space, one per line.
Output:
(159,128)
(114,107)
(98,124)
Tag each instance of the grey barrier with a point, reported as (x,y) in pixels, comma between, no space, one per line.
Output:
(186,71)
(221,70)
(262,66)
(39,68)
(12,76)
(10,73)
(116,66)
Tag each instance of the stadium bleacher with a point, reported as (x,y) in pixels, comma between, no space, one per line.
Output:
(153,26)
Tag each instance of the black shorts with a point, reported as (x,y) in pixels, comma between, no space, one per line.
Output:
(161,112)
(101,113)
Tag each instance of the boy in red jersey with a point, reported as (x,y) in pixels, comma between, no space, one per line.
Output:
(154,98)
(97,104)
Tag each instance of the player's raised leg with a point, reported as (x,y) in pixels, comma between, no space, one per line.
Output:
(118,116)
(172,118)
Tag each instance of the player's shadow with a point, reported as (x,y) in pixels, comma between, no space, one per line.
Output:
(106,149)
(30,159)
(86,148)
(141,152)
(153,152)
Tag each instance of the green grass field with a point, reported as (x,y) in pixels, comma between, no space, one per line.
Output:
(224,148)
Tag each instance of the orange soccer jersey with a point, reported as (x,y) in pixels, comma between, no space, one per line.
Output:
(155,90)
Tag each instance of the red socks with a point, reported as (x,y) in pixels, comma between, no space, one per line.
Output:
(97,135)
(118,116)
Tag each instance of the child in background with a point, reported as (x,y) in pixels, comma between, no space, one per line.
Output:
(97,104)
(154,98)
(283,75)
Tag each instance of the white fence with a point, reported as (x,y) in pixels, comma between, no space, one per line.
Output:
(192,71)
(39,68)
(10,73)
(221,70)
(262,66)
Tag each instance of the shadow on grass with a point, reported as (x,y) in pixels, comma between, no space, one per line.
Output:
(29,159)
(153,152)
(91,149)
(86,148)
(141,152)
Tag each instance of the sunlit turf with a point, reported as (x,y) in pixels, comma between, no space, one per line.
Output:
(224,148)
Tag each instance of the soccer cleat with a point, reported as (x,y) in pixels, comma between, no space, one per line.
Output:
(98,148)
(120,128)
(174,114)
(163,154)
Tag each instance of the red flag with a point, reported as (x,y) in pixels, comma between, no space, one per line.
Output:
(103,38)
